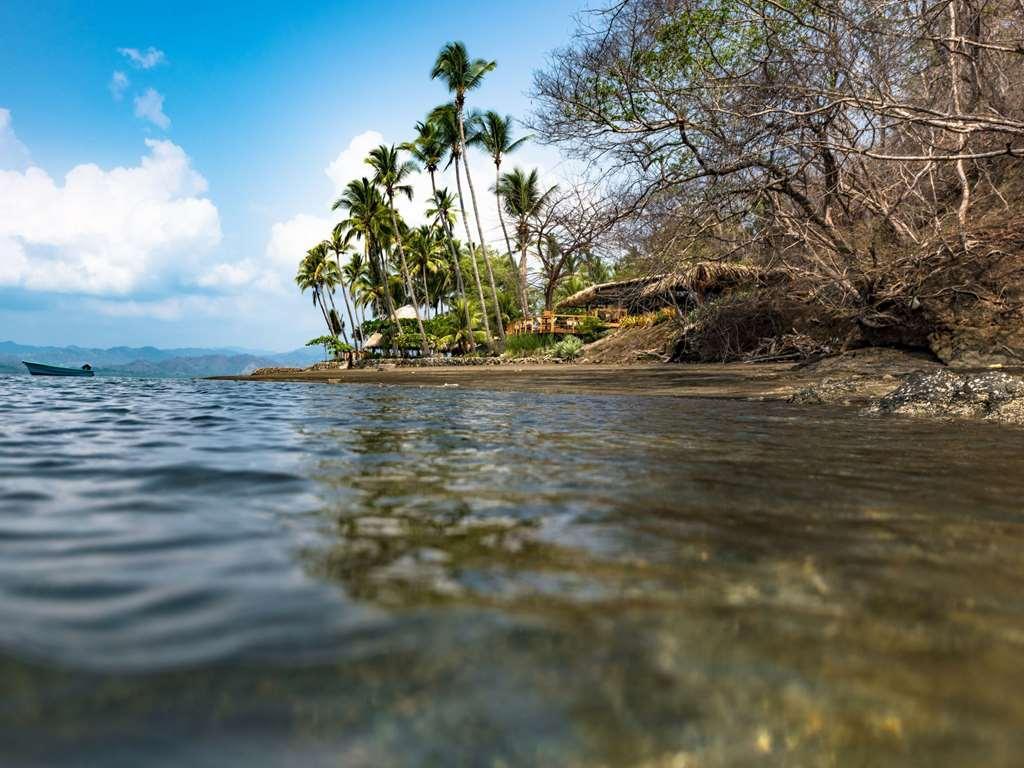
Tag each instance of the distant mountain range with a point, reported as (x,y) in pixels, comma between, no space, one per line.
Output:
(150,361)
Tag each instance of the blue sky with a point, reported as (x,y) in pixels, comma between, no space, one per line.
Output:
(168,204)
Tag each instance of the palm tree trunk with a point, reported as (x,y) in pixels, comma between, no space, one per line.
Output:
(480,231)
(348,306)
(459,285)
(520,279)
(424,347)
(523,236)
(472,256)
(330,295)
(426,291)
(388,301)
(318,300)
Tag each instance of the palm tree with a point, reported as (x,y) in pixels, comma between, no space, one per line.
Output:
(446,120)
(494,133)
(465,335)
(429,150)
(328,274)
(355,273)
(308,278)
(390,173)
(338,246)
(368,221)
(523,201)
(425,245)
(461,74)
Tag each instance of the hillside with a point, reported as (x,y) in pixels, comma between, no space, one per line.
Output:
(151,361)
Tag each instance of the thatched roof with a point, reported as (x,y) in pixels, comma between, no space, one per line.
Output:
(406,313)
(617,292)
(699,278)
(374,340)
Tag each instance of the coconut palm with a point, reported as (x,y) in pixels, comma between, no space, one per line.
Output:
(308,278)
(446,120)
(328,274)
(465,335)
(369,222)
(523,201)
(494,133)
(426,245)
(461,74)
(390,173)
(429,150)
(338,246)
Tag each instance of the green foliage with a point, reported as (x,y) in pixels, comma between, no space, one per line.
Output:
(569,348)
(332,344)
(591,328)
(648,319)
(528,344)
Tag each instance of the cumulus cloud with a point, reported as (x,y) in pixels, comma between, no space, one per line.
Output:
(149,105)
(106,232)
(13,154)
(146,59)
(350,163)
(289,241)
(119,83)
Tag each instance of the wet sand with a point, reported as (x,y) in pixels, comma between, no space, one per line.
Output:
(730,380)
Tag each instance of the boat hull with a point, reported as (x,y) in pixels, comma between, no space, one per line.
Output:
(38,369)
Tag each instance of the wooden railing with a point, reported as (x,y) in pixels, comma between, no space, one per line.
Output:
(549,322)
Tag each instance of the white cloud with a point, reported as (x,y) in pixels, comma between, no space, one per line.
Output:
(289,241)
(106,232)
(146,59)
(149,105)
(350,164)
(119,83)
(13,154)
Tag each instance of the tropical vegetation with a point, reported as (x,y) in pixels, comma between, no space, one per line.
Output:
(436,284)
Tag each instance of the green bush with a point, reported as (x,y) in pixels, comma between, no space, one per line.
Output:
(331,344)
(528,344)
(569,348)
(590,328)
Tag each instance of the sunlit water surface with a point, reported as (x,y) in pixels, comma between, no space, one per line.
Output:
(210,573)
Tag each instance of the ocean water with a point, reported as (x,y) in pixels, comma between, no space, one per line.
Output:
(215,573)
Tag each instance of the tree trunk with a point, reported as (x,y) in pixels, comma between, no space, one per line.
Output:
(424,347)
(426,292)
(472,257)
(388,301)
(523,300)
(318,300)
(522,262)
(348,306)
(480,231)
(460,286)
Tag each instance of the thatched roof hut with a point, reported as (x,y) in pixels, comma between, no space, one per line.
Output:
(373,341)
(690,284)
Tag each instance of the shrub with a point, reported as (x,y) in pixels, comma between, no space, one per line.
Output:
(528,344)
(331,344)
(590,328)
(568,348)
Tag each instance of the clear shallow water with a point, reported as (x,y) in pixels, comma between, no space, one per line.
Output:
(211,573)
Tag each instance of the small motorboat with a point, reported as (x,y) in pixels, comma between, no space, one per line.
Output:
(38,369)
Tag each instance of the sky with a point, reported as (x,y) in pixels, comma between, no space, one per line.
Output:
(164,166)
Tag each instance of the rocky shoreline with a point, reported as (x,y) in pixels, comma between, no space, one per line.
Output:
(876,381)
